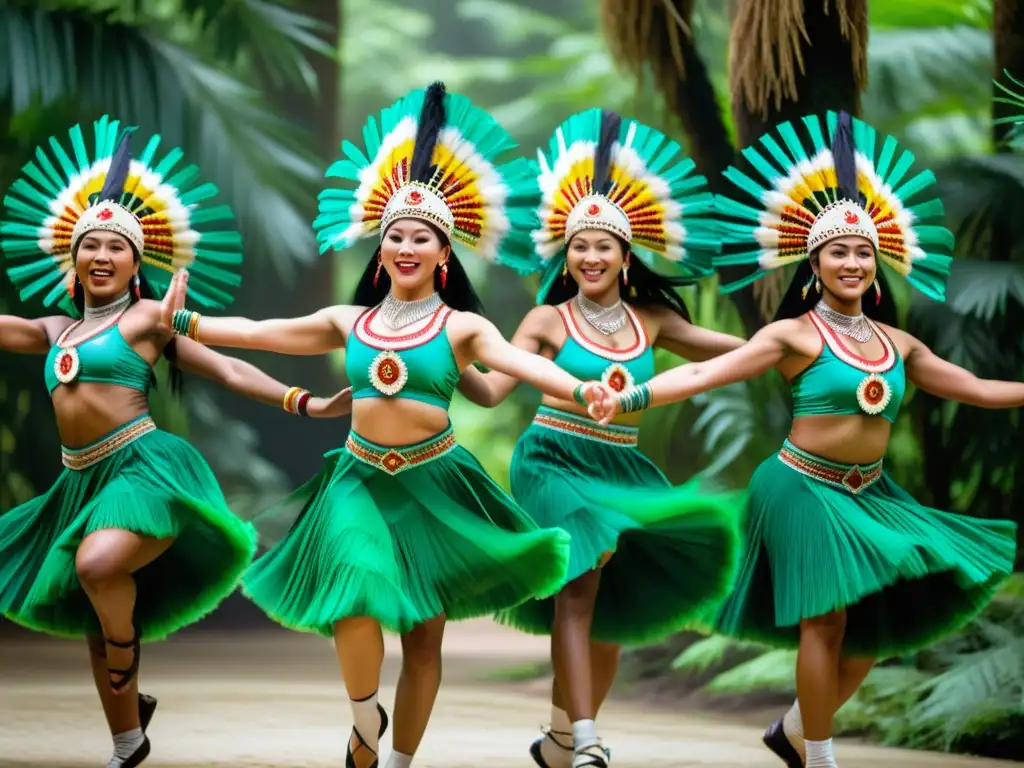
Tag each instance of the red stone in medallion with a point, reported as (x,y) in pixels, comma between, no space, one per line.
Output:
(617,381)
(387,372)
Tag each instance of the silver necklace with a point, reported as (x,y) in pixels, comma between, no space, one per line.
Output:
(606,320)
(856,327)
(94,315)
(396,313)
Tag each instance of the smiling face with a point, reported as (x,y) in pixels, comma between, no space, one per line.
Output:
(105,263)
(411,252)
(595,259)
(846,267)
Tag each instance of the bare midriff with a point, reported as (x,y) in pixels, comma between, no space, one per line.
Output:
(852,439)
(87,411)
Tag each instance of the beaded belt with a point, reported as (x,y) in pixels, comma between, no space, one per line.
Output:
(82,458)
(851,477)
(395,460)
(580,426)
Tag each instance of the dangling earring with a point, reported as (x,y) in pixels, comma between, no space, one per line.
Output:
(878,292)
(807,288)
(376,275)
(625,273)
(565,272)
(135,288)
(817,285)
(444,274)
(74,283)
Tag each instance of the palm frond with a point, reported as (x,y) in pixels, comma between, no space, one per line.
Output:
(710,652)
(931,14)
(912,69)
(771,672)
(256,157)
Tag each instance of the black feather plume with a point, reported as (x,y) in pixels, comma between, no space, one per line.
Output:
(845,159)
(432,120)
(120,163)
(611,122)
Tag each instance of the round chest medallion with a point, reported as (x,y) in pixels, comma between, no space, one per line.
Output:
(66,365)
(873,394)
(388,373)
(617,377)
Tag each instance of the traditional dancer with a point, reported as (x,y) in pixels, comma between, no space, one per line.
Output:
(134,540)
(616,211)
(842,563)
(403,528)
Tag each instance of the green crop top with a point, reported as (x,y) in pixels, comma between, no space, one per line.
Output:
(841,383)
(103,358)
(619,369)
(417,366)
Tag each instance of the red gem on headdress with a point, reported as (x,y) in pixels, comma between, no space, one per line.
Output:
(593,209)
(105,214)
(851,217)
(414,198)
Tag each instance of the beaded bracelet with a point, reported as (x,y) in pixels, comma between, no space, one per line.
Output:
(635,398)
(185,322)
(295,401)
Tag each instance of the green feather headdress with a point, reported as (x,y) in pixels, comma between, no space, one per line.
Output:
(164,213)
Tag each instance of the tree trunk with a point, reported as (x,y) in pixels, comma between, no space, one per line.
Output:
(830,78)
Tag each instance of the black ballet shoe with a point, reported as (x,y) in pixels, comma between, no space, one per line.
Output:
(147,706)
(535,752)
(125,675)
(350,762)
(776,740)
(138,756)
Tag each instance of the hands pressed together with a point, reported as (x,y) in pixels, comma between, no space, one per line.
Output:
(602,402)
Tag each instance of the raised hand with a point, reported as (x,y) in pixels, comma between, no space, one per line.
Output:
(174,300)
(330,407)
(602,403)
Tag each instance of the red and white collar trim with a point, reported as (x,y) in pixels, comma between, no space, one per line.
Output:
(637,348)
(851,358)
(418,338)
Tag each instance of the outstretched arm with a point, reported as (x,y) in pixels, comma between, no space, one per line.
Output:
(315,334)
(26,337)
(944,379)
(490,389)
(764,351)
(249,381)
(487,345)
(691,342)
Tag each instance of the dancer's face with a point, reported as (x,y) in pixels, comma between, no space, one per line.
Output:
(411,252)
(595,259)
(105,263)
(846,267)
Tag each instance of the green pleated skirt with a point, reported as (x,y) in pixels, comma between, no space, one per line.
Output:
(823,536)
(401,535)
(145,481)
(675,549)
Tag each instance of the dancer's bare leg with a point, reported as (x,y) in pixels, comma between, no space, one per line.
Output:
(418,684)
(359,644)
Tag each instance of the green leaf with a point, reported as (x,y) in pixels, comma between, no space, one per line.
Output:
(711,651)
(773,672)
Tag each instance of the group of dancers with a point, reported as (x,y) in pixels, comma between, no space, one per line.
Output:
(402,529)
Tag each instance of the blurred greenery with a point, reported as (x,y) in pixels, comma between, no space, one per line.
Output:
(254,94)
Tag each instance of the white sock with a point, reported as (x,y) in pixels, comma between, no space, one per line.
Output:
(366,719)
(819,754)
(125,745)
(793,727)
(399,760)
(554,755)
(584,734)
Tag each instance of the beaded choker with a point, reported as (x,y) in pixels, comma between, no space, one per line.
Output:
(854,326)
(396,313)
(607,320)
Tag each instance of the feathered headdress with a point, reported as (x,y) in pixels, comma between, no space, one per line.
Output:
(603,172)
(433,159)
(816,191)
(162,214)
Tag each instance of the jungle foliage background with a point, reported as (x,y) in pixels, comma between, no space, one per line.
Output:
(259,94)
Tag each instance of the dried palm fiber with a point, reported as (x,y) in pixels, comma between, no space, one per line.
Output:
(649,32)
(765,49)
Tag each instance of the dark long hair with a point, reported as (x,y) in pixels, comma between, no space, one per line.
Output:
(174,376)
(793,303)
(458,292)
(646,287)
